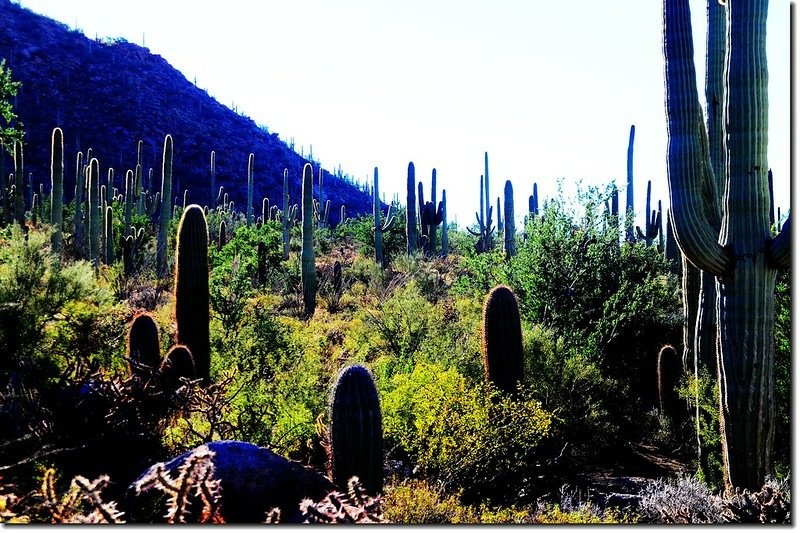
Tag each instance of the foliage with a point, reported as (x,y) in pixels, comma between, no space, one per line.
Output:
(456,432)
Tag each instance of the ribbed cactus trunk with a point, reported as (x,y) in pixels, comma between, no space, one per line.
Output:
(143,346)
(285,214)
(95,213)
(4,185)
(191,288)
(166,207)
(57,188)
(250,163)
(411,212)
(502,340)
(742,255)
(308,272)
(19,185)
(509,226)
(356,431)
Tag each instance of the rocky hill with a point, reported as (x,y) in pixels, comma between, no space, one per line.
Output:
(109,94)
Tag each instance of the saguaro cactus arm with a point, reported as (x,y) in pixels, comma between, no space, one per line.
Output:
(689,165)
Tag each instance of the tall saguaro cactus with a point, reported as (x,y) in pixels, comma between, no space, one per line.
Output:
(95,212)
(411,212)
(308,272)
(285,214)
(250,163)
(166,207)
(191,288)
(57,188)
(509,227)
(380,227)
(629,213)
(742,255)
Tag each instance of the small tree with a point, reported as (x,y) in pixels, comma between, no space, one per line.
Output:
(10,129)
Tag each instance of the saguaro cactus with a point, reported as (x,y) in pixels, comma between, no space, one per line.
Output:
(380,227)
(629,212)
(56,187)
(509,226)
(19,185)
(166,207)
(411,212)
(285,214)
(445,238)
(308,273)
(652,227)
(502,340)
(143,345)
(356,431)
(742,254)
(213,178)
(79,184)
(179,363)
(108,237)
(250,163)
(95,212)
(191,288)
(669,375)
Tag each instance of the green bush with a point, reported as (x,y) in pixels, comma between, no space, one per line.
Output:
(457,433)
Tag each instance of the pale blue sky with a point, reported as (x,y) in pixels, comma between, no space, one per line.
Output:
(548,88)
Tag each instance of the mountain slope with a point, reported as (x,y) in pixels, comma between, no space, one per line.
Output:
(109,95)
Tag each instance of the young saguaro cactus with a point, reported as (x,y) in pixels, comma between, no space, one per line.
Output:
(356,431)
(179,363)
(57,188)
(308,272)
(191,288)
(742,253)
(166,208)
(502,340)
(143,346)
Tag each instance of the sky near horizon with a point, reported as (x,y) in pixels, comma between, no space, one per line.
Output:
(548,89)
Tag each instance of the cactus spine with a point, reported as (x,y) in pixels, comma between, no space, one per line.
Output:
(411,212)
(356,432)
(56,188)
(166,209)
(143,345)
(508,215)
(502,340)
(308,272)
(741,253)
(191,288)
(250,163)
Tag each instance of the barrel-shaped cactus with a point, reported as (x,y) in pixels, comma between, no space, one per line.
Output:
(502,340)
(308,272)
(166,207)
(191,288)
(179,363)
(56,188)
(356,431)
(144,350)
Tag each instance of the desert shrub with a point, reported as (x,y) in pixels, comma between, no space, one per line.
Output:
(242,247)
(51,315)
(703,391)
(458,433)
(783,372)
(420,502)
